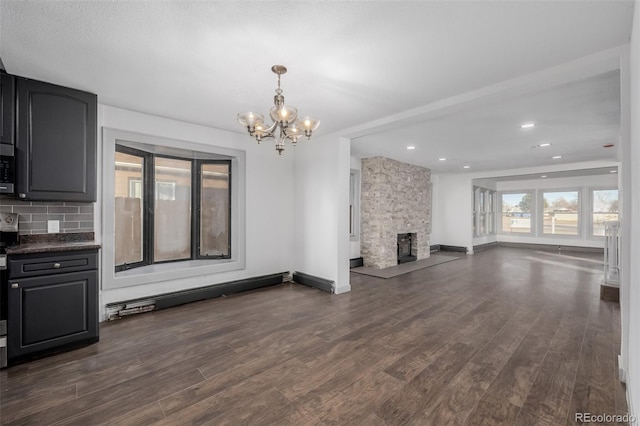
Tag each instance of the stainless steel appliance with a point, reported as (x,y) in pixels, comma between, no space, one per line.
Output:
(8,237)
(7,169)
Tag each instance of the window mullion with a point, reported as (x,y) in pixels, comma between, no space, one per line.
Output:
(149,207)
(195,208)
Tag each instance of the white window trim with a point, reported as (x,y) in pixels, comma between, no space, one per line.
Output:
(590,191)
(174,270)
(489,208)
(533,218)
(540,210)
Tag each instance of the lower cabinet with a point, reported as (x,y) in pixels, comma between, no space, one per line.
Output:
(53,310)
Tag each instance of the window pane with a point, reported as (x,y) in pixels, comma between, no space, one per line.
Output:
(560,213)
(604,208)
(172,216)
(516,213)
(128,209)
(491,215)
(214,210)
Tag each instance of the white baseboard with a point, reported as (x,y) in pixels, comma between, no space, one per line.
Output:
(342,289)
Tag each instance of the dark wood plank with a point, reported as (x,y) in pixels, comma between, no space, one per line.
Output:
(591,399)
(518,375)
(99,407)
(549,399)
(408,404)
(147,415)
(506,336)
(251,378)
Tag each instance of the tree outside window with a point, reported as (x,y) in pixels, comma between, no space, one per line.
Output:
(516,213)
(561,212)
(604,208)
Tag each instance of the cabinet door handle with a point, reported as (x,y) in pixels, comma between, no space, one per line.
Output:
(56,266)
(14,285)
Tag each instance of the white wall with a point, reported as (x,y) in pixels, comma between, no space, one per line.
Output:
(321,188)
(486,183)
(354,245)
(452,210)
(631,187)
(269,201)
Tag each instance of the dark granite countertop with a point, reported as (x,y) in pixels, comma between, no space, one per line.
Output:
(52,243)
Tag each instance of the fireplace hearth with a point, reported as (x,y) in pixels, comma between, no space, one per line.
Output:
(406,248)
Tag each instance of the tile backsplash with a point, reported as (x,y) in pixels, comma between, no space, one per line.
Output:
(33,215)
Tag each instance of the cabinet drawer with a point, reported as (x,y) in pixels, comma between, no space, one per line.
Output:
(22,266)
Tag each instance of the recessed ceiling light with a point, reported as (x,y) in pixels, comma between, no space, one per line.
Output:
(543,176)
(544,145)
(556,157)
(466,167)
(442,159)
(411,147)
(527,125)
(613,171)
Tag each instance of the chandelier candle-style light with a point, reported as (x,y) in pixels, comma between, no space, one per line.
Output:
(285,126)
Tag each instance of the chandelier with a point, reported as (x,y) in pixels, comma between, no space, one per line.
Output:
(285,127)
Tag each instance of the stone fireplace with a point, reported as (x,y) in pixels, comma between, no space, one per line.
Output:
(395,199)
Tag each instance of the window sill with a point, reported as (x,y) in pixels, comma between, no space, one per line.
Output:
(170,266)
(172,271)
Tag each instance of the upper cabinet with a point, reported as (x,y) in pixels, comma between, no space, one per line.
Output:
(7,108)
(55,142)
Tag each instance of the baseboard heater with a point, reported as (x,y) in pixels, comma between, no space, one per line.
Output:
(483,247)
(458,249)
(311,281)
(552,247)
(130,307)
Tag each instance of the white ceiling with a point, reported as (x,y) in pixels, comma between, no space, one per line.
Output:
(350,64)
(577,119)
(595,171)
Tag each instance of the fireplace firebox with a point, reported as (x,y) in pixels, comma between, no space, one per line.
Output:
(406,248)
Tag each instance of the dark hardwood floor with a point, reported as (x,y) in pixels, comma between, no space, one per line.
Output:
(506,336)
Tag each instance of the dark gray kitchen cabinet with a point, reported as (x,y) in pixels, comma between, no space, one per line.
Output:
(52,303)
(55,142)
(7,108)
